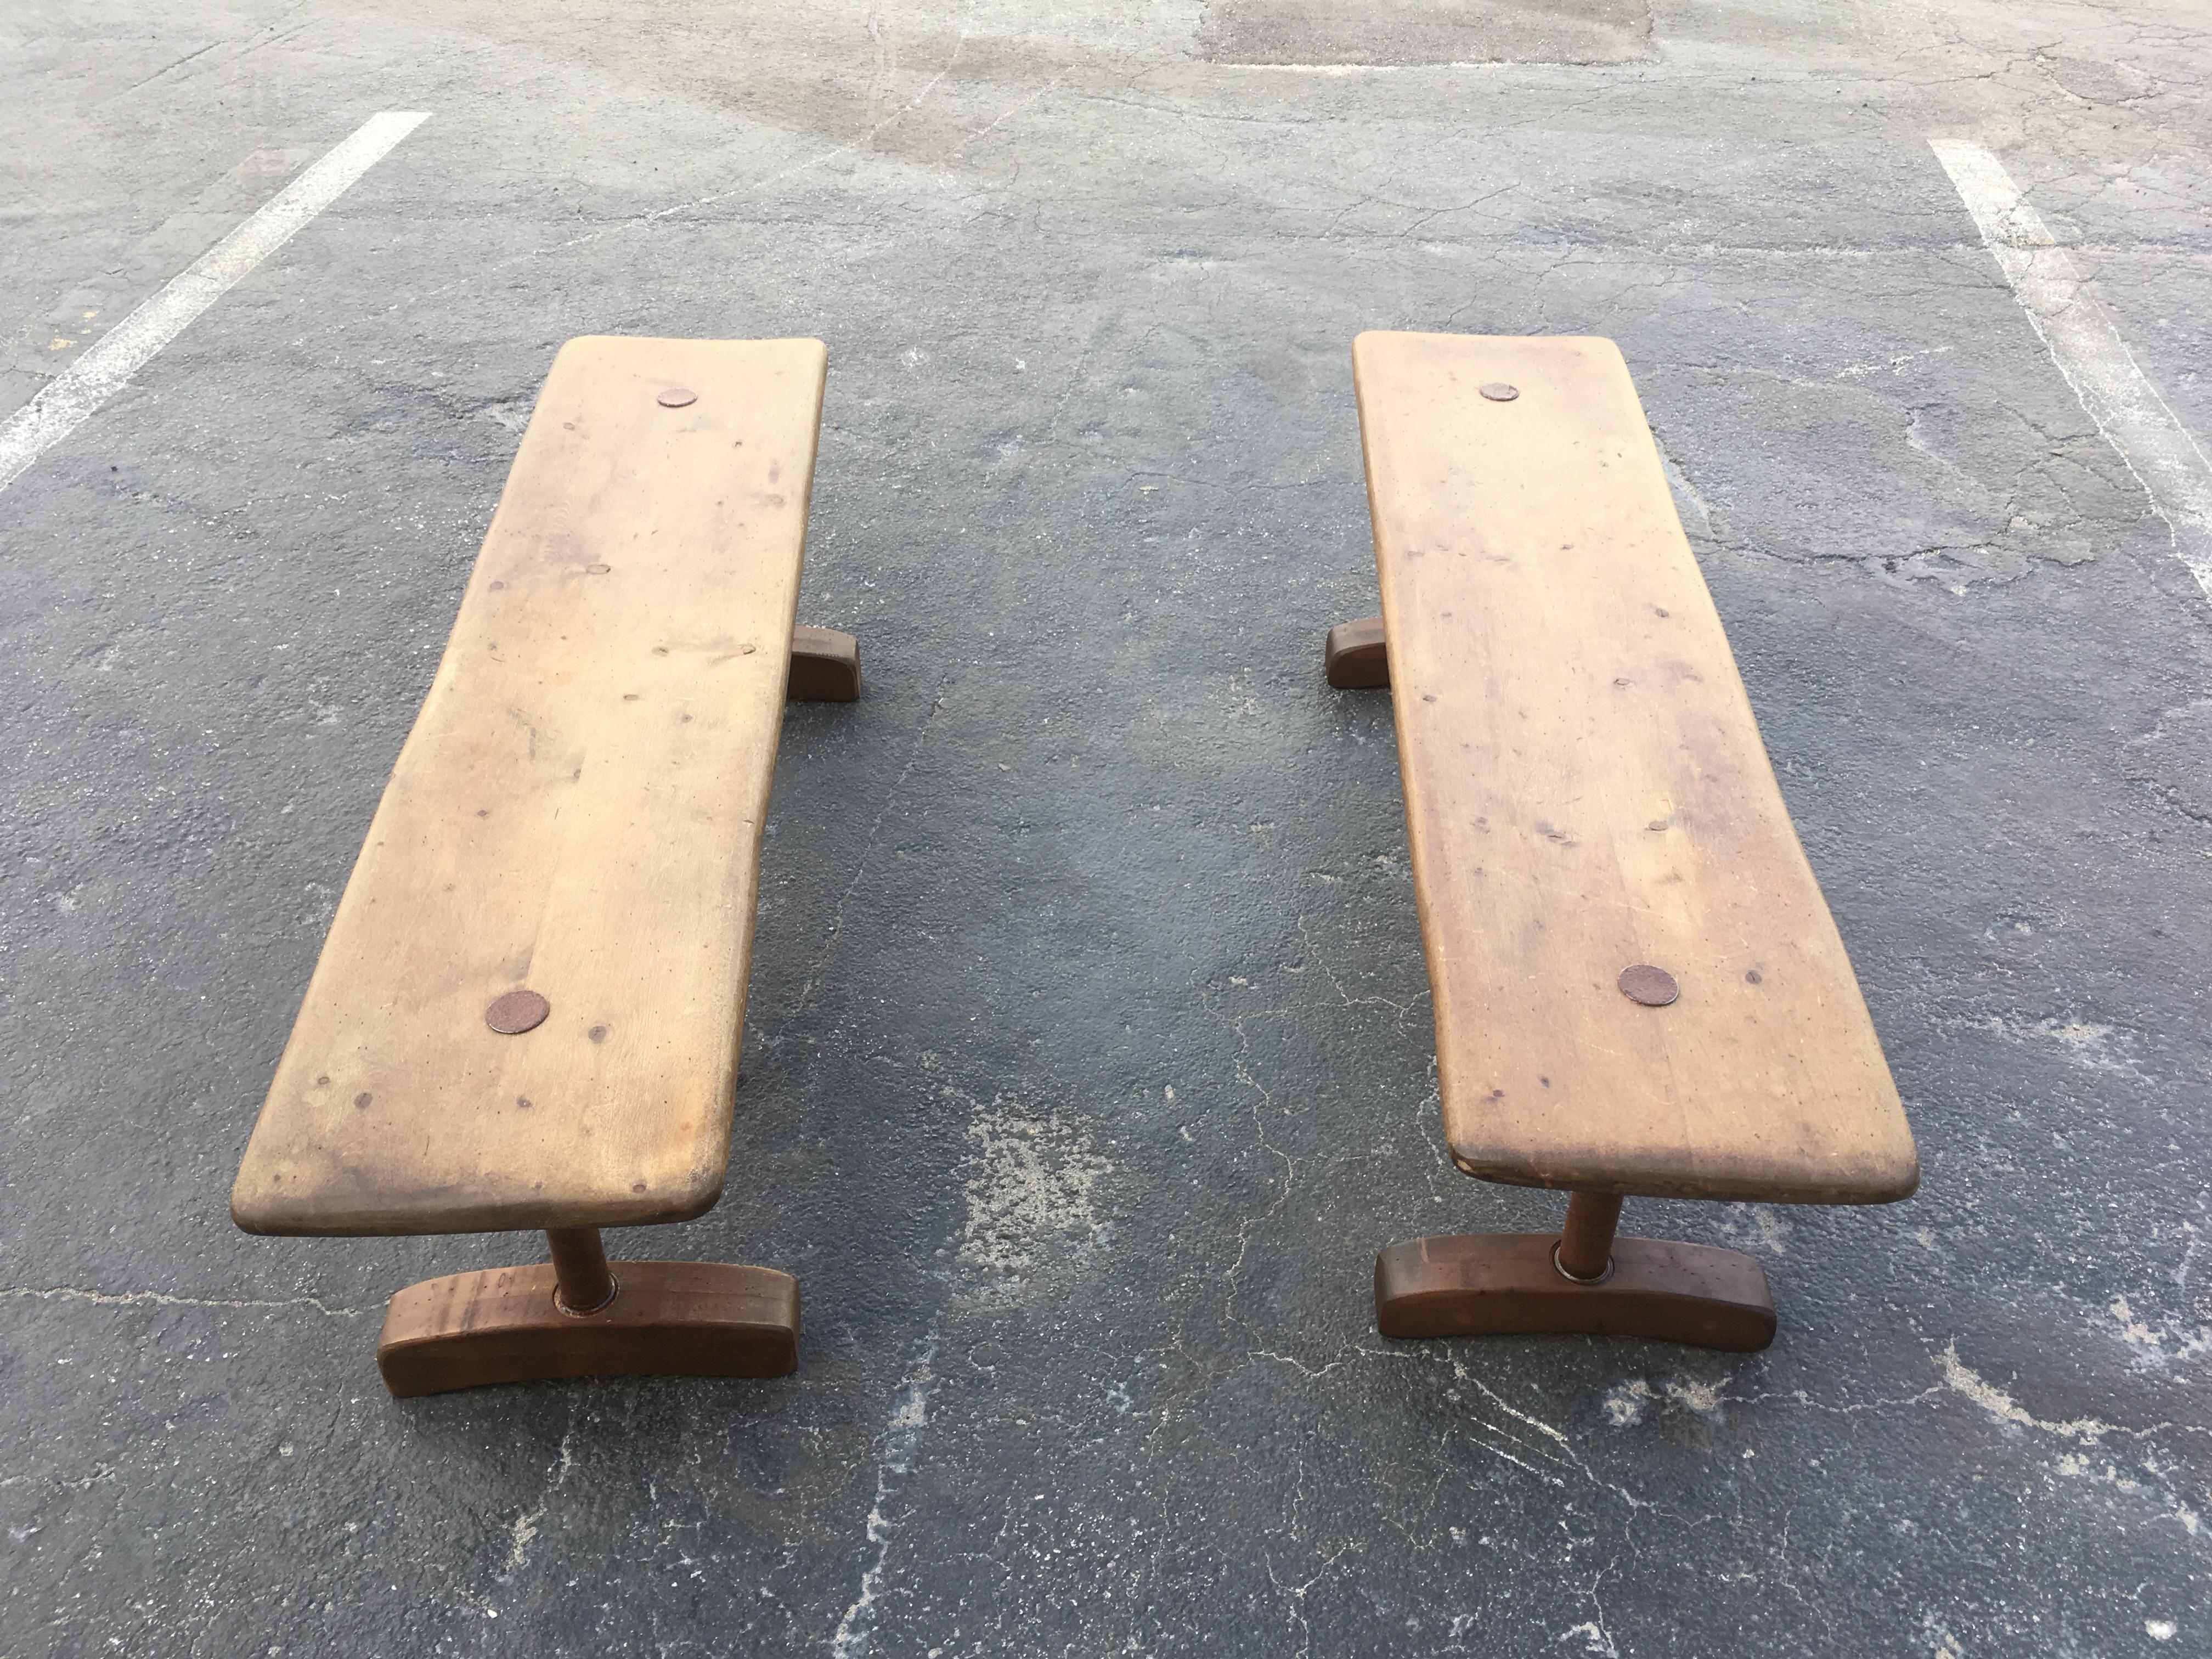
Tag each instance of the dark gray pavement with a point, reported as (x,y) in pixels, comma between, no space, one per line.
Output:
(1088,1056)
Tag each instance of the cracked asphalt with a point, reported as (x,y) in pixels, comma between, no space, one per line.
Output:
(1088,1058)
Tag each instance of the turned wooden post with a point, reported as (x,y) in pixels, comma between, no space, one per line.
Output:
(583,1282)
(1585,1249)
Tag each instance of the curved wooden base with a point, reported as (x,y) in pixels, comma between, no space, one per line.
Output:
(1356,657)
(825,665)
(1486,1283)
(665,1318)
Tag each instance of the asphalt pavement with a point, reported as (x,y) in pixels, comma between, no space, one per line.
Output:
(1088,1056)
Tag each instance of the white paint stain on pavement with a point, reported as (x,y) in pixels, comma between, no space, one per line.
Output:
(901,1445)
(71,398)
(1030,1183)
(1999,1404)
(524,1532)
(1028,1187)
(2159,450)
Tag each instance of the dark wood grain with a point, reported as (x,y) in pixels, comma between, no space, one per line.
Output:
(825,665)
(1495,1283)
(1355,657)
(666,1318)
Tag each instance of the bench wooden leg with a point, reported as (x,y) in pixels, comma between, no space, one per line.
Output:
(580,1315)
(1355,657)
(1582,1279)
(825,665)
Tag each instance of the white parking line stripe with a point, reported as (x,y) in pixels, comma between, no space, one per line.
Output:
(62,405)
(2167,461)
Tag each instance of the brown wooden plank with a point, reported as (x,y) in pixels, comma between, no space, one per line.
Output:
(1586,790)
(577,810)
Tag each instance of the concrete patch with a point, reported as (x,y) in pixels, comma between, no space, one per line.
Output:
(2175,758)
(1028,1189)
(2096,82)
(1396,34)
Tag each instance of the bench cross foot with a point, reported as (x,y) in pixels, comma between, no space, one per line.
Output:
(636,1319)
(825,665)
(1584,1280)
(1356,657)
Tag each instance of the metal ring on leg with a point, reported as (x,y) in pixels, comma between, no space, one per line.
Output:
(1598,1278)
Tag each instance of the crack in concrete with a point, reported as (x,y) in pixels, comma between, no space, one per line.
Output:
(163,1299)
(875,830)
(902,1445)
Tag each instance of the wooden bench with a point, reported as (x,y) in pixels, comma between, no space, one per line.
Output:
(1638,988)
(528,1012)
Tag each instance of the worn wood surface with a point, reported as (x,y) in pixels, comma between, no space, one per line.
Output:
(1586,790)
(577,811)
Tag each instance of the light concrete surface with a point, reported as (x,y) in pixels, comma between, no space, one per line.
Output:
(1088,1054)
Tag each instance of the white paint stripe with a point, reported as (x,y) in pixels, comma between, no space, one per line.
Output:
(2171,467)
(64,404)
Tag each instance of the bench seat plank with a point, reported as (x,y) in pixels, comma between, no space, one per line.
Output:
(578,811)
(1586,790)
